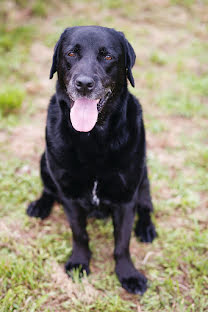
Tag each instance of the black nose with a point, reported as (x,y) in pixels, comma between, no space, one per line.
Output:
(84,83)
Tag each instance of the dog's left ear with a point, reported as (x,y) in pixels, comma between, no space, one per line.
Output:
(130,58)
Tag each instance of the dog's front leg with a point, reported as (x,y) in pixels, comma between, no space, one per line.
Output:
(132,280)
(81,253)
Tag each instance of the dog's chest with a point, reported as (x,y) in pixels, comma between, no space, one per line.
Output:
(95,199)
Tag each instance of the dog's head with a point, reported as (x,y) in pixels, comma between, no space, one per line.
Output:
(93,64)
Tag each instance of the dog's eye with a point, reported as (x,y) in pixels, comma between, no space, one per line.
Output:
(108,57)
(72,54)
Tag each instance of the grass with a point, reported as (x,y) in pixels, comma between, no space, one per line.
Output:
(15,43)
(182,104)
(11,99)
(158,59)
(171,76)
(16,35)
(39,8)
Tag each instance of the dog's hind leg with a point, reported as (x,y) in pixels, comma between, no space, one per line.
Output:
(41,208)
(145,229)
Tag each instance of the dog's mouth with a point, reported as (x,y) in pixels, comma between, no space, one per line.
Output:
(84,112)
(103,100)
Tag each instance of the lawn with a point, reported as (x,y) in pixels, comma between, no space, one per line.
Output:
(170,38)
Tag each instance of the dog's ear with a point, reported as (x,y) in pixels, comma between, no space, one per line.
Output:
(56,53)
(55,59)
(130,58)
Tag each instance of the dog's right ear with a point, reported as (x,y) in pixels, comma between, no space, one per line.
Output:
(55,59)
(56,53)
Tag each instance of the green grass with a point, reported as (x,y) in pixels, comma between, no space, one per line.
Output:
(15,43)
(35,7)
(112,4)
(182,104)
(196,83)
(171,81)
(17,186)
(39,8)
(23,282)
(109,303)
(11,99)
(17,35)
(185,3)
(158,59)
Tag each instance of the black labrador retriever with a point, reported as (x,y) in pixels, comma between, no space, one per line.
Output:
(94,162)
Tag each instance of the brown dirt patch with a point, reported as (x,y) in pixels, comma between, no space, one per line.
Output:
(83,292)
(27,141)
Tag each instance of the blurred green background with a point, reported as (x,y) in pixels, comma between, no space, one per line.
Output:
(170,38)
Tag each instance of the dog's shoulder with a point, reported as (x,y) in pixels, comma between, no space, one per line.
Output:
(134,112)
(134,104)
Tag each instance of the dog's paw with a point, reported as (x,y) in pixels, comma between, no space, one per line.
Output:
(38,210)
(135,284)
(81,267)
(146,233)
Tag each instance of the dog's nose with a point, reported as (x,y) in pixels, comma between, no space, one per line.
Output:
(84,83)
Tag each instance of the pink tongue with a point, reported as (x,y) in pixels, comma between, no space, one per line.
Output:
(84,114)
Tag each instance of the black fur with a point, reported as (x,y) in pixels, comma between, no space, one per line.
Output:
(112,153)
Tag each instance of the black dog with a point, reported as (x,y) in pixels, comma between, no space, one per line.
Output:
(95,146)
